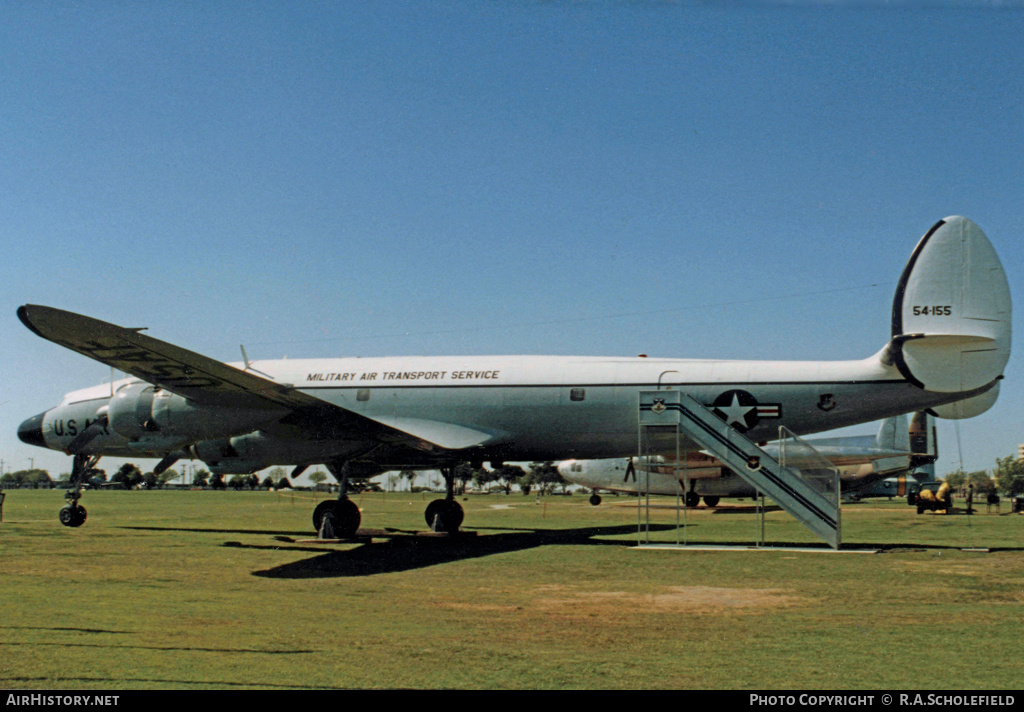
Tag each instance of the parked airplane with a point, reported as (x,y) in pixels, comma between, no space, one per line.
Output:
(950,340)
(901,485)
(861,461)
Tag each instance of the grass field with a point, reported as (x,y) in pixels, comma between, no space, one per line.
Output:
(225,590)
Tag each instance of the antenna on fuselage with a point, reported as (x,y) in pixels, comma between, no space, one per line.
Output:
(248,365)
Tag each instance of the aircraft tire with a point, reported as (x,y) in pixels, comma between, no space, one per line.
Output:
(711,500)
(447,514)
(72,516)
(595,499)
(346,516)
(692,499)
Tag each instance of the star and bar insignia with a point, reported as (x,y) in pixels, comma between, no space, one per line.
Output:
(742,411)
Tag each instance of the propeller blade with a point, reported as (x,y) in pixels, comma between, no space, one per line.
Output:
(87,436)
(162,466)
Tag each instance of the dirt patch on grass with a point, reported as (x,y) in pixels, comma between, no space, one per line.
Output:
(672,599)
(481,607)
(570,601)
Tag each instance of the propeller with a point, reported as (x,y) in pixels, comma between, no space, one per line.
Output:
(162,466)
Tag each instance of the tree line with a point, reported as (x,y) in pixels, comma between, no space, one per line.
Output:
(1006,478)
(541,476)
(34,477)
(130,476)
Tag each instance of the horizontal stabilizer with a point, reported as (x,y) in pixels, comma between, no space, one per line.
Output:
(951,315)
(969,407)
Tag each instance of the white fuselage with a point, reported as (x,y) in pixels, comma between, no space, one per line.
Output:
(552,407)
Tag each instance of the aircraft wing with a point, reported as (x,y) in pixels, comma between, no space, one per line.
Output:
(194,376)
(211,382)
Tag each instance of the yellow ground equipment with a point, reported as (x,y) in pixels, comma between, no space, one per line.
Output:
(934,497)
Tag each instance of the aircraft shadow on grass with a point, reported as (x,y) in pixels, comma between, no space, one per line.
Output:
(407,553)
(115,683)
(405,550)
(65,637)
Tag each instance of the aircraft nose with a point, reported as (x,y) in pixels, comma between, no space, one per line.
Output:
(31,431)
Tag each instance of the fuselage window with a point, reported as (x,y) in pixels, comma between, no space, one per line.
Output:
(577,394)
(363,394)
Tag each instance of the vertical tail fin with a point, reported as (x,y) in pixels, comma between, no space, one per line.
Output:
(893,435)
(951,313)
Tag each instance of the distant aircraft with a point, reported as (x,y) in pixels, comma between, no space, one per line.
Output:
(950,340)
(862,460)
(901,485)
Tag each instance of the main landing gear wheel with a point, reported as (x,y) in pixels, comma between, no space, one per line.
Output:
(343,518)
(72,516)
(692,499)
(444,515)
(595,499)
(711,500)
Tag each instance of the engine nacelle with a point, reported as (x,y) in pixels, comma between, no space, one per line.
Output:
(142,413)
(244,454)
(130,412)
(222,458)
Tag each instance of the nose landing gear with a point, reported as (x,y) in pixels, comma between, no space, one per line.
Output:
(73,515)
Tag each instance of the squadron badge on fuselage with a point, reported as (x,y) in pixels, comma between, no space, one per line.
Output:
(826,401)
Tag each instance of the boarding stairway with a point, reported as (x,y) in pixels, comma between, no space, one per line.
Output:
(807,487)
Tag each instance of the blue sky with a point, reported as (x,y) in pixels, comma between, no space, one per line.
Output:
(381,178)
